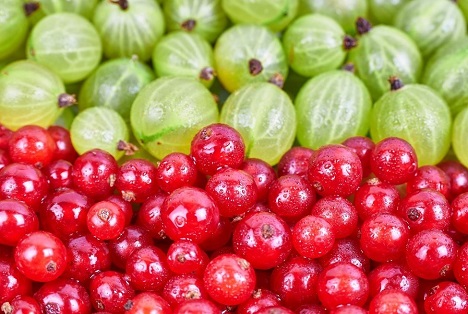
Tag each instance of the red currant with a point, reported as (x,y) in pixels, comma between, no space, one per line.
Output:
(21,304)
(175,171)
(147,303)
(446,297)
(185,257)
(263,175)
(429,177)
(181,288)
(196,306)
(363,147)
(64,147)
(260,299)
(458,175)
(16,220)
(110,291)
(393,276)
(149,216)
(393,301)
(105,220)
(313,237)
(460,213)
(12,281)
(59,174)
(295,161)
(346,250)
(136,180)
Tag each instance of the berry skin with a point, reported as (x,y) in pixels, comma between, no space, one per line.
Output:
(185,257)
(147,269)
(341,284)
(21,304)
(460,213)
(189,213)
(295,281)
(64,213)
(384,237)
(295,161)
(339,213)
(147,303)
(16,220)
(229,279)
(335,170)
(41,256)
(94,174)
(4,159)
(430,254)
(234,191)
(110,291)
(105,220)
(394,161)
(217,146)
(63,296)
(5,135)
(363,147)
(376,197)
(429,177)
(446,297)
(180,288)
(263,239)
(32,144)
(149,216)
(291,197)
(393,276)
(346,250)
(461,264)
(313,237)
(196,306)
(12,282)
(458,175)
(349,309)
(426,209)
(392,301)
(136,180)
(24,183)
(260,299)
(263,175)
(175,171)
(64,147)
(59,174)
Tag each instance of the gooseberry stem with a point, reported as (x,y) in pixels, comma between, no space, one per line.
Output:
(363,26)
(395,83)
(31,7)
(66,100)
(122,3)
(349,42)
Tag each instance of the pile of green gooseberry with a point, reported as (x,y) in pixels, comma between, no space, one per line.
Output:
(283,73)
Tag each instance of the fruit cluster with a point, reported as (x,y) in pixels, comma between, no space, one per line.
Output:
(358,227)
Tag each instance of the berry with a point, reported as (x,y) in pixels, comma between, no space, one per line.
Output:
(16,220)
(196,306)
(105,220)
(446,297)
(313,237)
(263,175)
(185,257)
(64,147)
(217,146)
(149,216)
(175,171)
(180,288)
(136,180)
(458,175)
(41,256)
(147,302)
(391,301)
(335,170)
(393,276)
(460,213)
(110,291)
(346,250)
(295,161)
(260,299)
(429,177)
(229,279)
(21,304)
(59,174)
(12,282)
(363,147)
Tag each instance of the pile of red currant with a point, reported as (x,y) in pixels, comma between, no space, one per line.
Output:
(351,228)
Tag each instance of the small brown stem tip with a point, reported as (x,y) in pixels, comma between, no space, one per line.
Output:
(363,26)
(395,83)
(128,148)
(66,100)
(31,7)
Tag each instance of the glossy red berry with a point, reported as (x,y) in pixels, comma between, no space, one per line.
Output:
(312,309)
(21,304)
(363,147)
(217,146)
(24,183)
(94,174)
(4,159)
(136,180)
(429,177)
(458,175)
(186,257)
(335,170)
(295,161)
(132,238)
(426,209)
(260,299)
(63,296)
(59,174)
(234,191)
(291,197)
(86,256)
(430,254)
(147,269)
(189,213)
(196,306)
(393,276)
(32,144)
(376,197)
(341,284)
(263,239)
(105,220)
(460,265)
(278,309)
(64,147)
(295,281)
(41,256)
(346,250)
(446,297)
(262,173)
(64,213)
(180,288)
(394,161)
(110,291)
(220,237)
(175,171)
(339,213)
(125,206)
(384,237)
(312,237)
(12,281)
(460,213)
(149,216)
(16,220)
(229,279)
(5,135)
(393,301)
(147,303)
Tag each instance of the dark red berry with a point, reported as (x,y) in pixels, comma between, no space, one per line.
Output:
(105,220)
(41,256)
(393,301)
(110,291)
(136,180)
(346,250)
(313,237)
(263,239)
(59,174)
(5,135)
(147,303)
(295,161)
(262,173)
(460,265)
(64,147)
(363,147)
(16,220)
(175,171)
(180,288)
(149,216)
(189,213)
(94,174)
(32,144)
(458,175)
(394,161)
(460,213)
(21,304)
(429,177)
(446,297)
(260,299)
(217,146)
(349,309)
(220,237)
(12,281)
(186,257)
(196,306)
(125,206)
(335,170)
(229,279)
(393,276)
(4,159)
